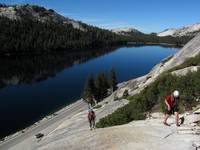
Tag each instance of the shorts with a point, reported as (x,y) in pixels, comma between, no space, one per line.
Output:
(172,110)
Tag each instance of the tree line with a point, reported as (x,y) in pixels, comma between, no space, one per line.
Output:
(97,89)
(28,35)
(154,39)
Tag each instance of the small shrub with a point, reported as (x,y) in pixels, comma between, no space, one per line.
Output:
(129,112)
(116,98)
(51,10)
(38,8)
(125,94)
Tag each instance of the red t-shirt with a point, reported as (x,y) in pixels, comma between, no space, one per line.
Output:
(169,101)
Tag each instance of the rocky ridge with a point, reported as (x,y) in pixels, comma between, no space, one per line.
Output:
(190,30)
(126,31)
(17,12)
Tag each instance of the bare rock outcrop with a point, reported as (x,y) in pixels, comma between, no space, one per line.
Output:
(190,30)
(145,134)
(17,12)
(184,71)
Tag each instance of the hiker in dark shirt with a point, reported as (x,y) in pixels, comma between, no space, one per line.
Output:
(91,118)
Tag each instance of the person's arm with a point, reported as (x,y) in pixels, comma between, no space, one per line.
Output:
(88,115)
(168,106)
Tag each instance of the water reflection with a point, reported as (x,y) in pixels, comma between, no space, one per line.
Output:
(29,69)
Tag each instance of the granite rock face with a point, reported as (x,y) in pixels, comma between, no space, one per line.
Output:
(17,12)
(145,135)
(190,30)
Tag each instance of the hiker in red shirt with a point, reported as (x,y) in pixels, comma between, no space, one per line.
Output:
(171,102)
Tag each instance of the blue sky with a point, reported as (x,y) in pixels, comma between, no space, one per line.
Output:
(145,15)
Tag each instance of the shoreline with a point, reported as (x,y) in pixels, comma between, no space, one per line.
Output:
(43,120)
(152,44)
(74,115)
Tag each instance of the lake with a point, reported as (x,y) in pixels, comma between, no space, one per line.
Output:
(36,85)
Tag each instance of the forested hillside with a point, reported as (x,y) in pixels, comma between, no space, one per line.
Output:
(28,35)
(30,28)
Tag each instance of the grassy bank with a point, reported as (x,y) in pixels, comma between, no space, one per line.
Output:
(155,93)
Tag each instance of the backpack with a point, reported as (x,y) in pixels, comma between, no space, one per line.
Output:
(91,115)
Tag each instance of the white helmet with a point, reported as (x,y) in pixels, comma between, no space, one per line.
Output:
(176,93)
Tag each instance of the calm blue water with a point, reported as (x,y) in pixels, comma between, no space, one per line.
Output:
(24,104)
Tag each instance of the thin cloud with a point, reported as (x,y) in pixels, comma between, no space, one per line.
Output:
(111,25)
(103,23)
(91,20)
(68,14)
(99,22)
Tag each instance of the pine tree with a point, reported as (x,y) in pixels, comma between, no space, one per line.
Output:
(98,84)
(89,90)
(101,86)
(105,85)
(112,80)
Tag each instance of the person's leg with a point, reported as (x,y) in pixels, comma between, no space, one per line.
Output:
(94,123)
(165,119)
(90,121)
(167,114)
(177,118)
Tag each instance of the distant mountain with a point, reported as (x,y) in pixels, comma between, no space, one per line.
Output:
(31,28)
(126,31)
(137,37)
(17,12)
(190,30)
